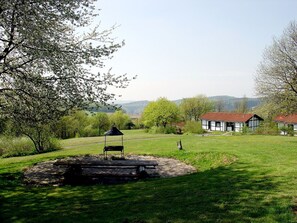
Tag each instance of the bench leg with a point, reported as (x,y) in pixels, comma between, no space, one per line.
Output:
(142,174)
(139,169)
(105,154)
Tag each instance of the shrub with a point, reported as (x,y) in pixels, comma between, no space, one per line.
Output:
(267,128)
(23,146)
(170,130)
(194,127)
(156,130)
(291,131)
(287,130)
(16,146)
(89,131)
(245,130)
(162,130)
(53,145)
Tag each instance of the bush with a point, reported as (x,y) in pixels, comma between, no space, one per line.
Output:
(291,131)
(89,131)
(287,130)
(194,127)
(267,128)
(162,130)
(53,145)
(16,146)
(23,146)
(245,130)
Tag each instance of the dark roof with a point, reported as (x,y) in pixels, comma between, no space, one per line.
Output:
(113,132)
(288,119)
(228,117)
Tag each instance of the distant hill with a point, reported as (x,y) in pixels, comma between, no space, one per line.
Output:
(136,107)
(102,108)
(222,97)
(230,102)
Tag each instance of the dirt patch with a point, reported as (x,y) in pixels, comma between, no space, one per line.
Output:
(46,173)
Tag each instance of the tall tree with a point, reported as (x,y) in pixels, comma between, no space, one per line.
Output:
(119,118)
(276,79)
(268,111)
(241,106)
(46,67)
(160,113)
(193,108)
(219,105)
(71,125)
(101,121)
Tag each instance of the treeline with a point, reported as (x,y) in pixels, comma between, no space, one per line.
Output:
(160,116)
(86,124)
(13,141)
(164,116)
(77,124)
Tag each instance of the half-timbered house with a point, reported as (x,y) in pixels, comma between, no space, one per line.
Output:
(224,121)
(287,121)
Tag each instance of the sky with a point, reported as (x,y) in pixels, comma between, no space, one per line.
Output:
(185,48)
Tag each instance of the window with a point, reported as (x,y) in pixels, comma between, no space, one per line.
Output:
(218,124)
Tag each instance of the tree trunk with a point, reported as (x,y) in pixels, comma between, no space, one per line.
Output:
(37,142)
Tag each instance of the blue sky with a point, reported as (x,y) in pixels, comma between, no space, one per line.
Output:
(183,48)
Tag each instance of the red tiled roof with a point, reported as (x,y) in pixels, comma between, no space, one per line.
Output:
(179,124)
(228,117)
(289,119)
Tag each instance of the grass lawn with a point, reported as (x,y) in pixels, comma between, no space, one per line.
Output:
(240,179)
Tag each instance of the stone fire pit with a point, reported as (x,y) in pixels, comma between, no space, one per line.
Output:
(46,173)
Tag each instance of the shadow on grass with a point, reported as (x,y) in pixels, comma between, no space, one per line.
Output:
(225,194)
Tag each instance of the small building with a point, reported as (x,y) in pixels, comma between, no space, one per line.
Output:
(286,121)
(225,121)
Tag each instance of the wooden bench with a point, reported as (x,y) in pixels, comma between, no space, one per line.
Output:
(138,165)
(113,148)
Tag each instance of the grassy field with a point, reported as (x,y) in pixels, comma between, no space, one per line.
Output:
(239,179)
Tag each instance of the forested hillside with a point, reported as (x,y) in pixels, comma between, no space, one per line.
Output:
(229,104)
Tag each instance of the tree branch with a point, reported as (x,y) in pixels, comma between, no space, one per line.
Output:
(8,49)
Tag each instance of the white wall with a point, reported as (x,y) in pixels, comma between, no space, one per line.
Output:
(205,124)
(238,126)
(253,124)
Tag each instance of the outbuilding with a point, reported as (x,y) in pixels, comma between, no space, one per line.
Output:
(289,121)
(226,121)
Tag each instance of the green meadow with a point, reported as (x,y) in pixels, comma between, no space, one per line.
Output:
(247,178)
